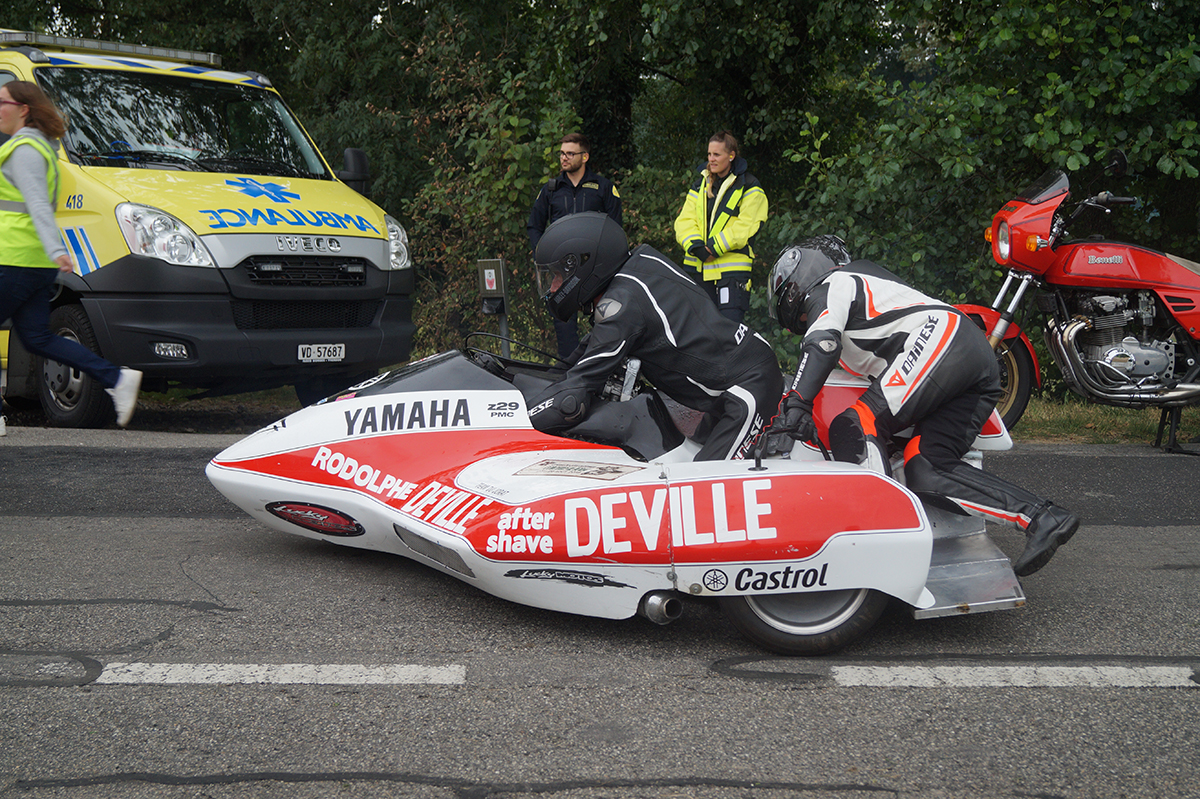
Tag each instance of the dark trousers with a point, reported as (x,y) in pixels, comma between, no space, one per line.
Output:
(731,294)
(25,294)
(567,335)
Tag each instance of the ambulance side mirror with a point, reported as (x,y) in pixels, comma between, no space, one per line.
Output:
(357,172)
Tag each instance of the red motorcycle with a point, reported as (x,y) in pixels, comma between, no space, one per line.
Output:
(1123,321)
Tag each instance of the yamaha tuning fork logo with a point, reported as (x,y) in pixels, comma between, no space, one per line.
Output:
(715,580)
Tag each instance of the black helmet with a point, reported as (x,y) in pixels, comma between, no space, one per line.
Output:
(800,267)
(576,259)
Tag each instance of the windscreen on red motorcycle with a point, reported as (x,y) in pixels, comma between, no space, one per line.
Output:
(1051,184)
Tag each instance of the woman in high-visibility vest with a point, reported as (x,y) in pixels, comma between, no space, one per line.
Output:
(720,216)
(31,248)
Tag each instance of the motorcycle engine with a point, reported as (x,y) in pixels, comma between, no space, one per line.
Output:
(1112,348)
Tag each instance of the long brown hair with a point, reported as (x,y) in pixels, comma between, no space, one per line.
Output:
(42,113)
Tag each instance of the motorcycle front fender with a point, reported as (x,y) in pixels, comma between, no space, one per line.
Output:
(986,318)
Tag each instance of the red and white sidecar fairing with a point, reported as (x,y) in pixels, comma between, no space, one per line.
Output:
(437,462)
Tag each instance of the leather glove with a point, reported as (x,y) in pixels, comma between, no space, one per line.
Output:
(795,418)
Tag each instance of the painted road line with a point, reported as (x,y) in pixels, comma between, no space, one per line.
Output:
(1016,676)
(277,673)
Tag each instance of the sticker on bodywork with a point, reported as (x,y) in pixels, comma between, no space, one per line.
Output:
(592,471)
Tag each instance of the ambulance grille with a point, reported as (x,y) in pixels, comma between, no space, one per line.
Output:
(304,315)
(314,271)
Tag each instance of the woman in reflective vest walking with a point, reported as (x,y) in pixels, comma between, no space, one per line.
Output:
(31,249)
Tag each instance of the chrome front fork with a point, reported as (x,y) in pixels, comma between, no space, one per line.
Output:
(1024,281)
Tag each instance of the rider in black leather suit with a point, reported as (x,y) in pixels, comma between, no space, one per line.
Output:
(930,368)
(646,307)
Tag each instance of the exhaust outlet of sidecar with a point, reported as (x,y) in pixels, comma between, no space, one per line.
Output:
(661,607)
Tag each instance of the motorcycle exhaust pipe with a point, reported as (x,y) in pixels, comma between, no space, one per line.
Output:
(1066,354)
(661,607)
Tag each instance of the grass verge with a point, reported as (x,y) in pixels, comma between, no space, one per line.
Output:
(1074,421)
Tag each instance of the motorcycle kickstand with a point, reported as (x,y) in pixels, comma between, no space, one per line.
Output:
(1169,419)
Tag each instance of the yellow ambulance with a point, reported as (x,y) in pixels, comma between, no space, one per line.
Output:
(214,247)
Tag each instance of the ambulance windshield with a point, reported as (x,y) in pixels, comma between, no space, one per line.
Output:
(131,120)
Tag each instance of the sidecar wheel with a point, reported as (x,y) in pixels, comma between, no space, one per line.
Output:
(1016,380)
(809,623)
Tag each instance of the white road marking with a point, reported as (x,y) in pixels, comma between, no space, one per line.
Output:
(1015,676)
(278,673)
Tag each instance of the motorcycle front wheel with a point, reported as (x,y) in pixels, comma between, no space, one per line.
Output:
(1016,380)
(808,623)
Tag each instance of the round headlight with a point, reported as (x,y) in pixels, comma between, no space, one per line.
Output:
(1003,242)
(149,231)
(398,256)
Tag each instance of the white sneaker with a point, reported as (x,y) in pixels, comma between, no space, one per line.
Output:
(125,393)
(3,426)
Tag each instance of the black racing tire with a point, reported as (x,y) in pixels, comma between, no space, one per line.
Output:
(805,623)
(1016,380)
(69,397)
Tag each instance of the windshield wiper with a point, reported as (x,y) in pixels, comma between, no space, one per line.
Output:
(270,166)
(139,156)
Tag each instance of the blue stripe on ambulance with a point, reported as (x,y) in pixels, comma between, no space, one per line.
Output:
(79,243)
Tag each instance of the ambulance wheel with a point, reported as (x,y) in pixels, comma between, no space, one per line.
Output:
(1016,380)
(807,623)
(69,397)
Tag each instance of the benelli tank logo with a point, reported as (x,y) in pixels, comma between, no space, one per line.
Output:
(308,244)
(420,415)
(1106,259)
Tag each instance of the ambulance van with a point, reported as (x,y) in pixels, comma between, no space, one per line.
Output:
(215,249)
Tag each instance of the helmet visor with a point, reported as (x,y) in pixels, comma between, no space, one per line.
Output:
(781,274)
(550,277)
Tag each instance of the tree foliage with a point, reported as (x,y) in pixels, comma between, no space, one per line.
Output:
(1007,89)
(902,125)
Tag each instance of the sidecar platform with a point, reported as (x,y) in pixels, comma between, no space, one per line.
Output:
(967,571)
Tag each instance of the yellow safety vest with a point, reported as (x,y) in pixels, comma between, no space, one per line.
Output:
(730,219)
(19,242)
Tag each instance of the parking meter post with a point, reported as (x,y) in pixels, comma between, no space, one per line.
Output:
(493,292)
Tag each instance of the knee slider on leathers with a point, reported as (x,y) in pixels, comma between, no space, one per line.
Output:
(850,443)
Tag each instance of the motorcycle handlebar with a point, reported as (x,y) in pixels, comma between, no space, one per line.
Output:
(1108,198)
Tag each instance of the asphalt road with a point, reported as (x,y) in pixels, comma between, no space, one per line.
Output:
(115,549)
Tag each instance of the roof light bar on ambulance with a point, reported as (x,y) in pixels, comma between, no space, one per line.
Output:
(16,38)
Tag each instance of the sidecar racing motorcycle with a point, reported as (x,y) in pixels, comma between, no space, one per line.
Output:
(437,462)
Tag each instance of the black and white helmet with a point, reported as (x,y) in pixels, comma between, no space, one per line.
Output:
(576,259)
(798,268)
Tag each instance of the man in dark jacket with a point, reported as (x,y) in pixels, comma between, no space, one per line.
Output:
(576,189)
(648,308)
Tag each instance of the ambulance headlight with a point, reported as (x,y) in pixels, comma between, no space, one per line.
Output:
(398,257)
(154,233)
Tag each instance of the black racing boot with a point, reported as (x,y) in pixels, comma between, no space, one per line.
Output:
(1049,530)
(979,493)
